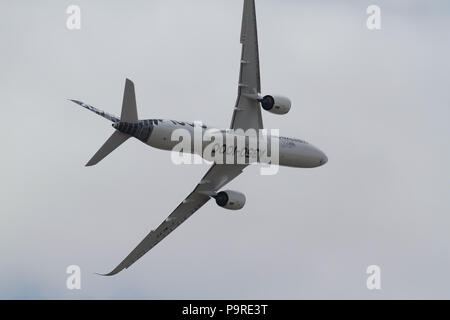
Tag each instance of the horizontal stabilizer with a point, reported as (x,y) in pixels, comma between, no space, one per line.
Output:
(97,111)
(110,145)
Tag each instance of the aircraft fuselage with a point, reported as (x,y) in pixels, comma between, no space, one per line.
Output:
(160,134)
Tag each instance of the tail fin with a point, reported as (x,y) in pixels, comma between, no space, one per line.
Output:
(129,109)
(129,115)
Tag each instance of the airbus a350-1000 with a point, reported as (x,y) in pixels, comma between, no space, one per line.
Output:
(246,116)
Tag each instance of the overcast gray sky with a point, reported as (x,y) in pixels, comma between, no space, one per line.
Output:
(377,102)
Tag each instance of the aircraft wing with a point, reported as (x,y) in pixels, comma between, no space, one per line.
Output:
(247,111)
(216,178)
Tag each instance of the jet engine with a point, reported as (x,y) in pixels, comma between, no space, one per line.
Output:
(231,200)
(276,104)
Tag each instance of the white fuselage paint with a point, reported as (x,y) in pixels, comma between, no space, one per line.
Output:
(292,152)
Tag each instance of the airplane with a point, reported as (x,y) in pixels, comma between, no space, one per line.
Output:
(246,115)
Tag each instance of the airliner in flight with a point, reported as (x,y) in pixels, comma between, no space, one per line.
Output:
(246,116)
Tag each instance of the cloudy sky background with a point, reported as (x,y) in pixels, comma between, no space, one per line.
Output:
(378,103)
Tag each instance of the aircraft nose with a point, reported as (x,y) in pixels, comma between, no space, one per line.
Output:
(320,157)
(323,158)
(316,157)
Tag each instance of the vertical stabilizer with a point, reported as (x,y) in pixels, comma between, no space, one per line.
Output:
(129,109)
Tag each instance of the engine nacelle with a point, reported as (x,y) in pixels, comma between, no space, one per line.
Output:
(231,200)
(276,104)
